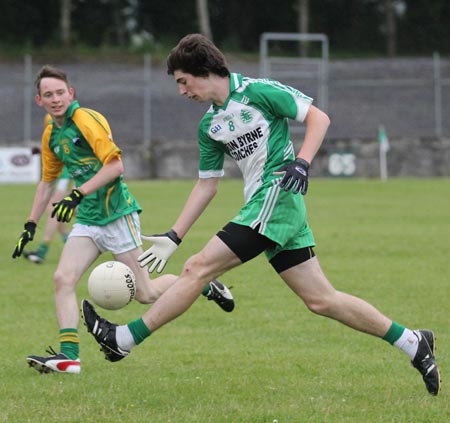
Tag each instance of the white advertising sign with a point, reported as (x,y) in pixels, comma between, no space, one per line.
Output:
(18,165)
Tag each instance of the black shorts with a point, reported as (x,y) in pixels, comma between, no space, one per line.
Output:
(247,243)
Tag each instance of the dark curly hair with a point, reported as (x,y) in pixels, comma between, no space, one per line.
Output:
(197,55)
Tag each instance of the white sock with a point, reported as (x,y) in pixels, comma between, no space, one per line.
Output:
(408,342)
(124,338)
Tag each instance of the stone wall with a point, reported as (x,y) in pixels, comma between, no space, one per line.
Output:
(362,95)
(352,158)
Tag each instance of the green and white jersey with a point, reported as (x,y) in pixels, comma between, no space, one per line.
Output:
(252,128)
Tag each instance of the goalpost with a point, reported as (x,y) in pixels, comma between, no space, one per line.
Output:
(308,74)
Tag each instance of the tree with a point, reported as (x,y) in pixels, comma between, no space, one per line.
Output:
(203,18)
(391,28)
(118,30)
(303,24)
(65,21)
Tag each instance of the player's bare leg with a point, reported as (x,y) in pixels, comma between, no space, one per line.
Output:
(211,262)
(77,255)
(309,282)
(215,259)
(147,290)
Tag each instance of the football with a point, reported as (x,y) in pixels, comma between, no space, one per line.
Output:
(112,285)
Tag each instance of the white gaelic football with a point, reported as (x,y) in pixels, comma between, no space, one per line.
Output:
(112,285)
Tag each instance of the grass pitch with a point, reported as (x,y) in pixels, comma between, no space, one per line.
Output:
(271,359)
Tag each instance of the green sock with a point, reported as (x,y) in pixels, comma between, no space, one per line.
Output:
(139,330)
(206,290)
(42,249)
(69,342)
(394,333)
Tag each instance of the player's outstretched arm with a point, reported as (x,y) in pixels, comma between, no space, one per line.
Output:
(43,193)
(164,245)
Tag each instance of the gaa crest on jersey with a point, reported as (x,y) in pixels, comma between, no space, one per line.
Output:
(246,116)
(215,129)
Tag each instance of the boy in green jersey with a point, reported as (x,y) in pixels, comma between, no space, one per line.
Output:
(248,120)
(80,140)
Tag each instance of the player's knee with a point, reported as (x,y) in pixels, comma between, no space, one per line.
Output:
(323,305)
(317,307)
(63,281)
(198,269)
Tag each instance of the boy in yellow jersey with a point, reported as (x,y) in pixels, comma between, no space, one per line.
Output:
(107,219)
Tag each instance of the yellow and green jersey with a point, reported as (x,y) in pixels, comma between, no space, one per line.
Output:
(83,145)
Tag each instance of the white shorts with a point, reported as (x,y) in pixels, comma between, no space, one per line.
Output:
(120,236)
(63,184)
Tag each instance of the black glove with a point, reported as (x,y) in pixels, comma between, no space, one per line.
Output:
(64,209)
(295,176)
(27,235)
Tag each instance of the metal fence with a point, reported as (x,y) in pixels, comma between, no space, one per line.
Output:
(402,89)
(409,96)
